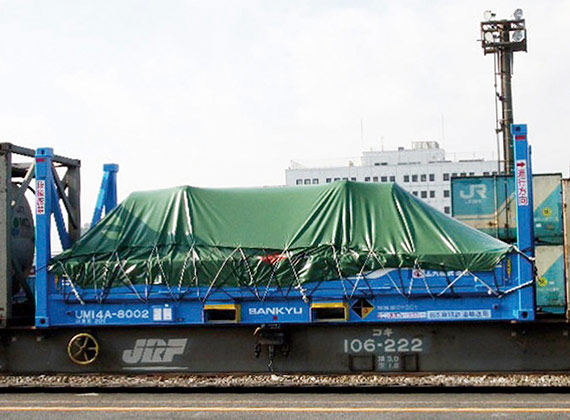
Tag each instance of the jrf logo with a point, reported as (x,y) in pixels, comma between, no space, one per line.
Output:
(154,350)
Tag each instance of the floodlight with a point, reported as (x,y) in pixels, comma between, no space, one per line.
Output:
(488,15)
(518,14)
(489,37)
(518,36)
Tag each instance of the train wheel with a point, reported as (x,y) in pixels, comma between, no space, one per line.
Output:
(83,349)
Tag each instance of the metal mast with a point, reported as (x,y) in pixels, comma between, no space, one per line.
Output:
(503,38)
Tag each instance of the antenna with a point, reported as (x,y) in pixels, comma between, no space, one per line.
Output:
(442,128)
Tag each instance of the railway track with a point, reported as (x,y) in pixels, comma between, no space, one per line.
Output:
(277,381)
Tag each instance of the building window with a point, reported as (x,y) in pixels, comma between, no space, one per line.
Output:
(424,194)
(446,210)
(463,174)
(494,172)
(315,181)
(454,174)
(415,193)
(392,178)
(353,179)
(299,182)
(471,173)
(446,177)
(485,173)
(376,163)
(384,179)
(328,180)
(432,194)
(375,178)
(431,177)
(414,178)
(366,179)
(384,163)
(307,181)
(446,193)
(406,178)
(337,179)
(344,178)
(423,177)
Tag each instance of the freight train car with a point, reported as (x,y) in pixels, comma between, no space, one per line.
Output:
(346,277)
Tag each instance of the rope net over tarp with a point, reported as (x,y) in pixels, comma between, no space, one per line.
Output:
(285,237)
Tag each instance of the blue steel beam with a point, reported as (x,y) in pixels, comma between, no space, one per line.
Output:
(44,207)
(107,198)
(58,216)
(524,212)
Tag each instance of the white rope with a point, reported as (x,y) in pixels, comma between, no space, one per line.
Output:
(450,285)
(75,292)
(268,284)
(339,272)
(164,275)
(129,282)
(411,285)
(195,271)
(360,275)
(299,286)
(184,264)
(390,277)
(514,289)
(250,274)
(98,296)
(489,288)
(218,274)
(417,267)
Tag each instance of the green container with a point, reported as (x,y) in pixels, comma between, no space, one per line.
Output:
(550,284)
(487,203)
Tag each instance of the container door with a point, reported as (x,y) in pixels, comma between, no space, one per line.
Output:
(550,283)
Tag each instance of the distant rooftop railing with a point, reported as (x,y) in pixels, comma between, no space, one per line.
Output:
(341,162)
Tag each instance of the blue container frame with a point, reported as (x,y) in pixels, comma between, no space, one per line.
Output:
(392,295)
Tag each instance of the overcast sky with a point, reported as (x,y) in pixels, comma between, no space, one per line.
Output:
(226,93)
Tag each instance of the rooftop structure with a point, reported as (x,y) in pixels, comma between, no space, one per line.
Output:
(425,170)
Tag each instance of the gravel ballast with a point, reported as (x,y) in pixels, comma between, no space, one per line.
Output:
(283,381)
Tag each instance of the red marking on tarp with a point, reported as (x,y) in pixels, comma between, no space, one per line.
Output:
(520,137)
(273,258)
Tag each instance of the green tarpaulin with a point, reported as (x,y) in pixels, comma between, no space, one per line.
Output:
(188,236)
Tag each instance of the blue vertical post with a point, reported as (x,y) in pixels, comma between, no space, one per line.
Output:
(107,198)
(525,217)
(111,199)
(44,203)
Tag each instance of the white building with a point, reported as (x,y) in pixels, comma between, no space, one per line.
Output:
(424,170)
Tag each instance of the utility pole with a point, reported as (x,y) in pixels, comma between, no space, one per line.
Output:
(503,38)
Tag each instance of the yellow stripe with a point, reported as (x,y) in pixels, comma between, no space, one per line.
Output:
(299,409)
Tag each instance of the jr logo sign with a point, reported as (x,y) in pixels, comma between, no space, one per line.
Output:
(154,350)
(476,191)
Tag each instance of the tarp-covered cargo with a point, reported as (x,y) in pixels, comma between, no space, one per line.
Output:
(188,236)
